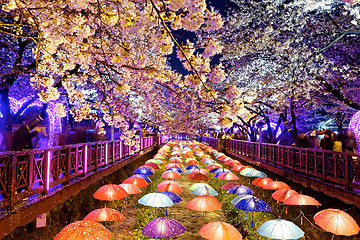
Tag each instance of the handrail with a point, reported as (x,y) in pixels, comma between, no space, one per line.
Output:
(26,173)
(337,168)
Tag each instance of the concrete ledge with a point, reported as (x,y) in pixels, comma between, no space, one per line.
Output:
(345,195)
(47,203)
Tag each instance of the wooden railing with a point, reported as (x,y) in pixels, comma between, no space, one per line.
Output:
(26,173)
(337,168)
(213,142)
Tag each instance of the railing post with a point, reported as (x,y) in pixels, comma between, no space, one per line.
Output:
(85,158)
(96,156)
(67,165)
(113,151)
(13,178)
(259,152)
(323,166)
(46,172)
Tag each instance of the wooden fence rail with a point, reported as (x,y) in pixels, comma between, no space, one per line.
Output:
(26,173)
(337,168)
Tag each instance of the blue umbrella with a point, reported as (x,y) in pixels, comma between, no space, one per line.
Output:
(222,170)
(241,190)
(173,196)
(280,229)
(253,204)
(213,170)
(239,198)
(175,169)
(143,170)
(191,167)
(156,200)
(255,173)
(205,190)
(142,176)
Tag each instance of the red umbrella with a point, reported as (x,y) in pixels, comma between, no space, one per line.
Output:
(261,181)
(130,188)
(222,158)
(228,176)
(237,167)
(213,166)
(105,214)
(220,231)
(170,188)
(168,182)
(84,230)
(139,182)
(198,177)
(276,185)
(179,165)
(202,171)
(243,167)
(153,165)
(337,222)
(229,185)
(171,175)
(110,192)
(192,162)
(283,194)
(204,203)
(189,154)
(175,160)
(301,200)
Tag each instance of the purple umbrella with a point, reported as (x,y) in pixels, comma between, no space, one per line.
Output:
(163,227)
(142,176)
(173,196)
(241,190)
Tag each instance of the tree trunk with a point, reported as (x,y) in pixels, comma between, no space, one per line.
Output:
(6,124)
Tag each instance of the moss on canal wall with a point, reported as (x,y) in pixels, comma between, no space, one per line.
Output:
(76,207)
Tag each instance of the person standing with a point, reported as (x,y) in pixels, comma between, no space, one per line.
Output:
(327,143)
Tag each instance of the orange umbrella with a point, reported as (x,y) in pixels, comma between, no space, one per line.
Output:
(301,200)
(105,214)
(229,185)
(202,171)
(179,165)
(192,161)
(283,194)
(337,222)
(130,188)
(175,188)
(110,192)
(139,182)
(261,181)
(188,154)
(171,175)
(175,160)
(204,203)
(237,168)
(228,176)
(276,185)
(84,230)
(198,177)
(220,231)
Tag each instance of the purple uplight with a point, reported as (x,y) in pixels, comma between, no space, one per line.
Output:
(15,104)
(48,160)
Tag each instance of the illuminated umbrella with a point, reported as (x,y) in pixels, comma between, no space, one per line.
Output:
(202,171)
(283,194)
(237,168)
(84,230)
(220,231)
(280,229)
(105,214)
(261,181)
(138,181)
(142,176)
(198,177)
(162,228)
(337,222)
(196,185)
(166,182)
(276,185)
(155,161)
(222,170)
(110,192)
(170,187)
(253,204)
(239,198)
(175,160)
(130,188)
(214,170)
(241,190)
(244,167)
(212,166)
(156,200)
(175,169)
(210,161)
(192,167)
(204,203)
(301,200)
(143,170)
(171,175)
(228,176)
(254,173)
(205,190)
(153,165)
(233,163)
(173,196)
(229,185)
(192,161)
(247,170)
(179,165)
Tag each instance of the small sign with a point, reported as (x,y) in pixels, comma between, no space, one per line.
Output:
(41,220)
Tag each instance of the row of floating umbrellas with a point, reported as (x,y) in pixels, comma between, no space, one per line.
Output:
(329,219)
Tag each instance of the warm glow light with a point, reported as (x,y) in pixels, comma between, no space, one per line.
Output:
(48,159)
(85,158)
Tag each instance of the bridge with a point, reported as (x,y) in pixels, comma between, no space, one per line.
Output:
(35,181)
(336,174)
